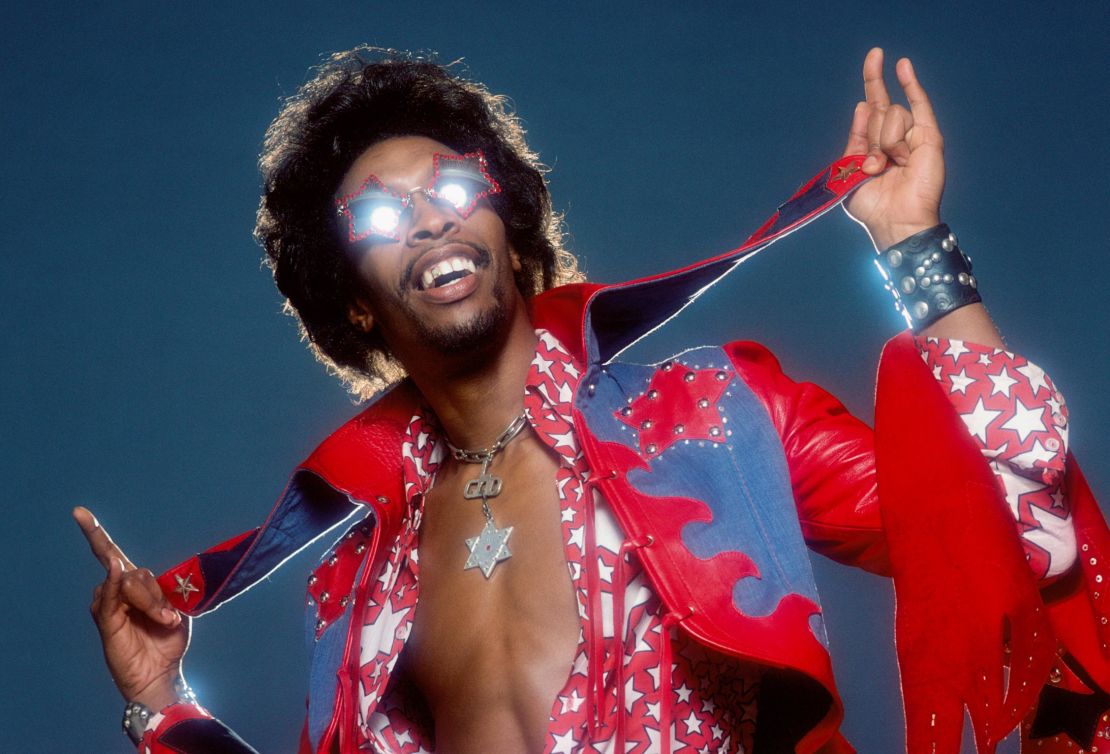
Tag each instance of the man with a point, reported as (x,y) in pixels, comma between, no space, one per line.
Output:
(576,554)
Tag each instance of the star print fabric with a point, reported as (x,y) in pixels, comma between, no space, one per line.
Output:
(1020,422)
(711,700)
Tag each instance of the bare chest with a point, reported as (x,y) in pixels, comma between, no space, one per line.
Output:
(492,654)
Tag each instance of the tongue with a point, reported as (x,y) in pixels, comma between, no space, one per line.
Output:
(450,277)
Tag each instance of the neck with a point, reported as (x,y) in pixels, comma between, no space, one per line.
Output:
(477,398)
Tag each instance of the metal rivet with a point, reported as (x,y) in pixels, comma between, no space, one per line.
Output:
(714,431)
(312,579)
(1093,561)
(359,549)
(668,366)
(650,450)
(626,411)
(333,560)
(646,424)
(919,271)
(894,257)
(320,624)
(1052,444)
(323,597)
(689,377)
(971,281)
(927,264)
(344,600)
(926,282)
(908,284)
(652,394)
(948,277)
(679,429)
(962,278)
(590,389)
(936,277)
(721,376)
(921,310)
(703,403)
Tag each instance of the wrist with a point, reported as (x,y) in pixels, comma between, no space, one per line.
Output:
(160,693)
(887,235)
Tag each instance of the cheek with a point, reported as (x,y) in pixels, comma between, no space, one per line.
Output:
(374,269)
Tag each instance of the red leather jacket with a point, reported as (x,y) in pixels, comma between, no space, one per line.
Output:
(967,603)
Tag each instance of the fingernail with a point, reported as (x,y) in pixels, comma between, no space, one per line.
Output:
(170,616)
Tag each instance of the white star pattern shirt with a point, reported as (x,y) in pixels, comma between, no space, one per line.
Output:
(1020,422)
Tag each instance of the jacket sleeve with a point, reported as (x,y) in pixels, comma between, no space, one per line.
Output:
(831,456)
(190,729)
(969,607)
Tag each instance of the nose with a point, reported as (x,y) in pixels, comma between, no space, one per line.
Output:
(430,220)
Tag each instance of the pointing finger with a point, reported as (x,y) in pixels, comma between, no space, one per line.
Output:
(915,94)
(874,89)
(107,594)
(857,134)
(100,543)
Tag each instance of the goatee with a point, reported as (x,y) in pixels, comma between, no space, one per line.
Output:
(474,335)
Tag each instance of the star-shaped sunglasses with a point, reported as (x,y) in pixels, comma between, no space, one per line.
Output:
(458,182)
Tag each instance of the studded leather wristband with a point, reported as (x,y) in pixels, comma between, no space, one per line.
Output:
(928,275)
(137,716)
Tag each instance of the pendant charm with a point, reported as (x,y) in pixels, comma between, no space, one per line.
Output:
(489,548)
(485,485)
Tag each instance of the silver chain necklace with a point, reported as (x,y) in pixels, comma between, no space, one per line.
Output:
(491,546)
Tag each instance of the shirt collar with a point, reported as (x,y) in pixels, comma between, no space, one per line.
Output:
(553,377)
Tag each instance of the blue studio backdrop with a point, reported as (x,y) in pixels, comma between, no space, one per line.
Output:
(150,375)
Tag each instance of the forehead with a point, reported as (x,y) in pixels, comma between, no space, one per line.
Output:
(404,161)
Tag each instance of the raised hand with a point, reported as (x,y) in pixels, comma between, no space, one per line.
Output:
(144,638)
(907,144)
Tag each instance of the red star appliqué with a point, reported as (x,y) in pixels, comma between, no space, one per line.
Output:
(183,586)
(679,404)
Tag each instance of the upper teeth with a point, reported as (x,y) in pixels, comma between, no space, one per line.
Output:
(437,270)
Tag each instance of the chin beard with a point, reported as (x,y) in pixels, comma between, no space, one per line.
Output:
(475,335)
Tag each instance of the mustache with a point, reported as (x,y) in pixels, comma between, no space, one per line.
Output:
(484,257)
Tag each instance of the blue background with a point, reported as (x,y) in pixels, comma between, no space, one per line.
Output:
(150,375)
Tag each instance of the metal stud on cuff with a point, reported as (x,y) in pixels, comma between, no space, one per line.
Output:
(928,275)
(136,715)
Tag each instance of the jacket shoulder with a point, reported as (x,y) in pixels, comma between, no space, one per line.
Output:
(362,458)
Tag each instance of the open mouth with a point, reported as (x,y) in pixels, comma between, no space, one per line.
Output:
(446,271)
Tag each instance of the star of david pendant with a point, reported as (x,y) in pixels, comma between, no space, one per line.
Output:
(489,548)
